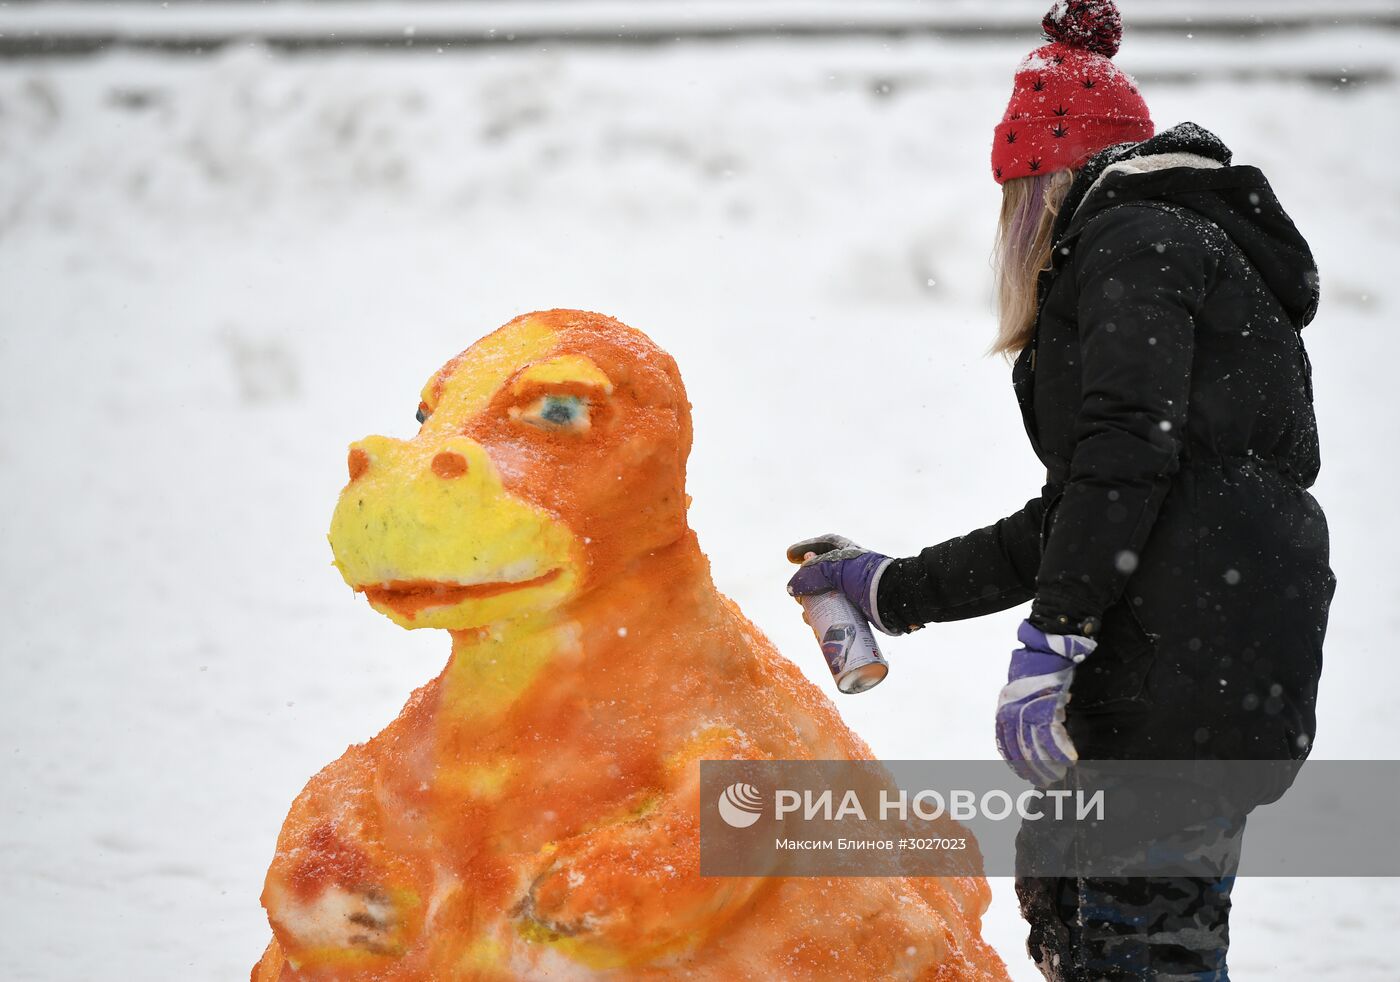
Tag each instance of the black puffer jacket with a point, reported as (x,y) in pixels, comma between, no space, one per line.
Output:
(1169,396)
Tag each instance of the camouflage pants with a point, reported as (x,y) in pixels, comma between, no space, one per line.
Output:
(1171,928)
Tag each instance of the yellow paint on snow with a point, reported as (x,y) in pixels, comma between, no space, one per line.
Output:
(483,954)
(493,360)
(710,743)
(486,677)
(481,781)
(564,370)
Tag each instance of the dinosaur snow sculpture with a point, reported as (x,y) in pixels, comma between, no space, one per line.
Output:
(534,812)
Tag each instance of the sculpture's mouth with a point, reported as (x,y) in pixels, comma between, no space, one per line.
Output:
(408,597)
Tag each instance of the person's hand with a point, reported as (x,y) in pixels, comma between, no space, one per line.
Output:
(837,563)
(1031,732)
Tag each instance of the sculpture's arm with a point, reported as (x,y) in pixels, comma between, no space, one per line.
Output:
(343,895)
(628,892)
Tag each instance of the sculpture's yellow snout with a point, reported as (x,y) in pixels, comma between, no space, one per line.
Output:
(428,533)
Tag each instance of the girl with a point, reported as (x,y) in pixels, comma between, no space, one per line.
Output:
(1152,294)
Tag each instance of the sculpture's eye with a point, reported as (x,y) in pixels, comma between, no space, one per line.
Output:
(555,412)
(423,412)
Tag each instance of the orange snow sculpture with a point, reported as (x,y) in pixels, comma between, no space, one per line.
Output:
(534,810)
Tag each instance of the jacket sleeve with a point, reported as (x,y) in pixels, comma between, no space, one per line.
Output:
(1141,273)
(979,573)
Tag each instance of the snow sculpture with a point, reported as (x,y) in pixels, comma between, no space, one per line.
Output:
(534,810)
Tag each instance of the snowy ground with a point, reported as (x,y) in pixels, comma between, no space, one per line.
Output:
(215,273)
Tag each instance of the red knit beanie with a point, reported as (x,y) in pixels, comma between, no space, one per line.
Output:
(1069,101)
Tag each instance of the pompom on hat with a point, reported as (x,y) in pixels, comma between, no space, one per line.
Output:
(1069,101)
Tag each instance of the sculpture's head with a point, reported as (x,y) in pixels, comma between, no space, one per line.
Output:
(551,454)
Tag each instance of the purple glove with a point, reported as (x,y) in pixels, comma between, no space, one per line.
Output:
(843,566)
(1031,732)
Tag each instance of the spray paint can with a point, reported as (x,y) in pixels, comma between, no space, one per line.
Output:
(847,643)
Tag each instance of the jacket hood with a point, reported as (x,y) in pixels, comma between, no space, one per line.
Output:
(1190,168)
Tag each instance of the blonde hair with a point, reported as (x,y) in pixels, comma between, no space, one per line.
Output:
(1029,206)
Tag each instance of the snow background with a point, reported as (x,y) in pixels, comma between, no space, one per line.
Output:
(215,272)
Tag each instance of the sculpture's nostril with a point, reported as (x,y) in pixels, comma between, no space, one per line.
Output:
(449,465)
(358,462)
